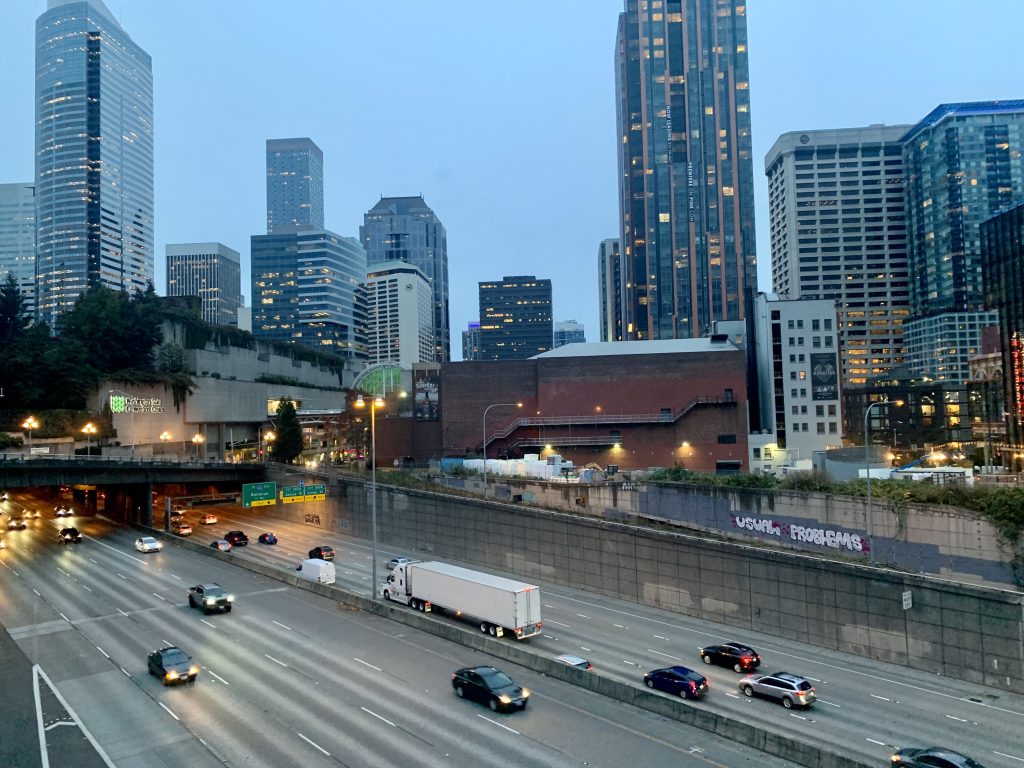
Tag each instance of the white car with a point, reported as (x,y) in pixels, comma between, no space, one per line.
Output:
(148,544)
(63,511)
(208,519)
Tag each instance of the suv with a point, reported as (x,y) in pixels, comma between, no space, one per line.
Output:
(791,690)
(210,597)
(67,535)
(323,552)
(236,538)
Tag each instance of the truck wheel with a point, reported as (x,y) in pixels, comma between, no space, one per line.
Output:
(413,603)
(387,595)
(492,630)
(483,627)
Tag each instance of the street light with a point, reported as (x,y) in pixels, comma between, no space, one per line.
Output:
(88,430)
(493,405)
(267,438)
(867,467)
(30,423)
(198,440)
(378,402)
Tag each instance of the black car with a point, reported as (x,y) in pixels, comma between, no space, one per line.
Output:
(321,553)
(933,757)
(268,538)
(172,665)
(741,658)
(68,535)
(680,681)
(16,523)
(236,538)
(210,597)
(489,686)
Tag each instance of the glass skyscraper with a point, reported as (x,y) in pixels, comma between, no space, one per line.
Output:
(515,318)
(406,229)
(295,185)
(210,271)
(94,156)
(686,178)
(18,239)
(610,289)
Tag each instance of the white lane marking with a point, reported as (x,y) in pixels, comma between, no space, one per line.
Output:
(556,623)
(121,612)
(167,642)
(175,576)
(879,743)
(631,663)
(549,606)
(1012,757)
(799,717)
(37,592)
(313,744)
(822,701)
(958,719)
(368,664)
(126,672)
(618,626)
(64,617)
(16,574)
(207,623)
(121,576)
(160,596)
(582,616)
(275,660)
(384,719)
(64,572)
(92,561)
(585,649)
(168,710)
(660,637)
(37,672)
(666,655)
(218,677)
(102,651)
(814,679)
(876,696)
(85,587)
(283,626)
(495,722)
(733,695)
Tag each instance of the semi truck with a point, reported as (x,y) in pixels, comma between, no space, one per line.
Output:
(496,604)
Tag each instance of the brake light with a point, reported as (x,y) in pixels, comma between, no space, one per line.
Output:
(746,659)
(539,624)
(519,630)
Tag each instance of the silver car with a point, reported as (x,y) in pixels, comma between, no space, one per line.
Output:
(396,561)
(791,690)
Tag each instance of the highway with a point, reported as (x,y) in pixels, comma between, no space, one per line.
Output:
(865,709)
(287,678)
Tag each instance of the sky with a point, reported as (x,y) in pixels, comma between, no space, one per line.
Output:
(502,115)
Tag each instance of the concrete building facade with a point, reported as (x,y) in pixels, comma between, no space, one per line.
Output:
(211,271)
(611,289)
(399,314)
(568,332)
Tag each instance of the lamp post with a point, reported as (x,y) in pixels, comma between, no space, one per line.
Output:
(88,430)
(197,440)
(867,467)
(268,438)
(165,437)
(30,423)
(492,405)
(378,402)
(122,392)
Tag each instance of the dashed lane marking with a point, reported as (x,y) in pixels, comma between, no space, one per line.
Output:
(382,719)
(368,664)
(313,744)
(283,626)
(495,722)
(168,710)
(666,655)
(275,660)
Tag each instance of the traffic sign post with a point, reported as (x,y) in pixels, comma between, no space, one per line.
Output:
(259,494)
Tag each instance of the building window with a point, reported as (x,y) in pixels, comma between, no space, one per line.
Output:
(803,392)
(828,324)
(726,439)
(803,375)
(814,325)
(832,410)
(828,341)
(800,341)
(803,410)
(767,453)
(800,324)
(792,358)
(757,453)
(833,429)
(821,427)
(816,342)
(792,374)
(796,410)
(819,410)
(792,393)
(790,325)
(800,357)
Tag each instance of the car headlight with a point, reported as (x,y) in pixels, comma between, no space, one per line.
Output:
(231,598)
(505,699)
(210,601)
(172,675)
(193,670)
(526,693)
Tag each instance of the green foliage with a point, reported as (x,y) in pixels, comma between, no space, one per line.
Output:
(13,315)
(170,358)
(10,441)
(288,381)
(117,332)
(288,444)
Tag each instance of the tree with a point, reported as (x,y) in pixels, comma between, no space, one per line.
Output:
(118,333)
(288,444)
(13,317)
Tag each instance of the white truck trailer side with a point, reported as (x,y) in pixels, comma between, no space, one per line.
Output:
(496,604)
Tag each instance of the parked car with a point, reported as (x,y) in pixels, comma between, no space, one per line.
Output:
(182,529)
(933,757)
(148,544)
(741,658)
(394,561)
(323,552)
(236,538)
(16,523)
(221,544)
(267,538)
(210,597)
(489,686)
(208,519)
(680,681)
(791,690)
(69,535)
(172,665)
(575,661)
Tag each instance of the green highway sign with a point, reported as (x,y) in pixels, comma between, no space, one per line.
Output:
(290,494)
(316,492)
(259,494)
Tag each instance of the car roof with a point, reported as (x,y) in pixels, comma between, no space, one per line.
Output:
(571,658)
(737,647)
(789,678)
(211,585)
(146,538)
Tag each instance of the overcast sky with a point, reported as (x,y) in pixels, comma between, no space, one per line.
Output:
(502,115)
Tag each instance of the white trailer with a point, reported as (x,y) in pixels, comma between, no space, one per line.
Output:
(496,604)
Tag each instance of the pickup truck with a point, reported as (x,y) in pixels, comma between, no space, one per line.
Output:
(210,597)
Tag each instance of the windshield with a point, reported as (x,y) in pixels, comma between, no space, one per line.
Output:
(175,658)
(496,679)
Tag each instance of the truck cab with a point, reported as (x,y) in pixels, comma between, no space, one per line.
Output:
(396,586)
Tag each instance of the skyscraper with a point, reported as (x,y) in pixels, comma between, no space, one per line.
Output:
(964,163)
(18,239)
(471,342)
(686,179)
(610,289)
(94,156)
(515,318)
(568,332)
(210,271)
(406,229)
(839,232)
(295,185)
(399,314)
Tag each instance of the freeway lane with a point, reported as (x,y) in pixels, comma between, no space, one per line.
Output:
(866,707)
(288,677)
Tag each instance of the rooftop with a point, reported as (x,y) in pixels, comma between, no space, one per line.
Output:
(653,347)
(943,111)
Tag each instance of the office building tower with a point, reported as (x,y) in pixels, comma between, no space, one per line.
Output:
(686,179)
(515,318)
(295,186)
(1002,258)
(963,164)
(18,239)
(399,314)
(211,271)
(839,232)
(406,229)
(94,156)
(610,289)
(568,332)
(307,289)
(471,342)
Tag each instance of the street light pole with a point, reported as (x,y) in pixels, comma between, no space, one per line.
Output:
(493,405)
(30,423)
(377,402)
(867,467)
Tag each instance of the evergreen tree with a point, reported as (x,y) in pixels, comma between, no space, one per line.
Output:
(13,317)
(288,444)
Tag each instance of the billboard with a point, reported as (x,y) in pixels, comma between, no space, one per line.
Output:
(824,376)
(426,390)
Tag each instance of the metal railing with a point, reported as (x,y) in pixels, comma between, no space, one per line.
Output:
(9,457)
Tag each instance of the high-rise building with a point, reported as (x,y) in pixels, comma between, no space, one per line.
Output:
(307,289)
(610,289)
(963,164)
(18,239)
(211,271)
(406,229)
(686,178)
(568,332)
(94,156)
(839,232)
(471,342)
(399,314)
(515,318)
(295,186)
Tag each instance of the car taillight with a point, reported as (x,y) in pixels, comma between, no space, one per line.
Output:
(693,686)
(519,630)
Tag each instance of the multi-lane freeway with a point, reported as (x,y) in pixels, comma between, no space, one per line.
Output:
(287,678)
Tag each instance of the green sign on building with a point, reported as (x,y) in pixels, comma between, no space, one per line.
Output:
(259,494)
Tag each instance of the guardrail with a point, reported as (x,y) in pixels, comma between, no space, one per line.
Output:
(148,461)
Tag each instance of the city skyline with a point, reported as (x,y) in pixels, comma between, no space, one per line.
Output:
(210,186)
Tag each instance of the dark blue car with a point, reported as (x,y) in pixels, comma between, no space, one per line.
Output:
(268,538)
(679,681)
